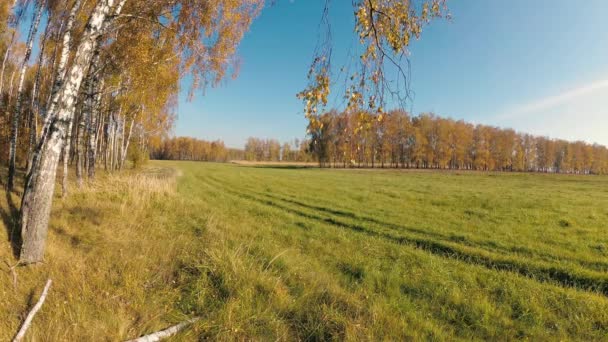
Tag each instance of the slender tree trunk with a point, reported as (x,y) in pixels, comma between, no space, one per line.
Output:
(33,128)
(8,103)
(52,72)
(40,184)
(80,149)
(101,120)
(121,141)
(11,87)
(17,111)
(107,142)
(86,132)
(113,125)
(34,105)
(66,157)
(92,106)
(126,144)
(54,97)
(4,60)
(114,144)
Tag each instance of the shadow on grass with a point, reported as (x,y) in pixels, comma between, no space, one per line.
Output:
(284,167)
(544,273)
(10,217)
(29,304)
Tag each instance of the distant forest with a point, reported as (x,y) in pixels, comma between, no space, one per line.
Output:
(398,140)
(186,148)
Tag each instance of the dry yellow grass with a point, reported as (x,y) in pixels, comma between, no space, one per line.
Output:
(113,268)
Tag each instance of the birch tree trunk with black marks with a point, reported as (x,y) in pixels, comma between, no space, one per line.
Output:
(60,72)
(34,101)
(66,159)
(80,149)
(101,119)
(17,110)
(92,88)
(118,144)
(61,66)
(40,183)
(118,126)
(125,148)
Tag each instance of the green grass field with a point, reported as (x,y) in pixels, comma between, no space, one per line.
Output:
(279,253)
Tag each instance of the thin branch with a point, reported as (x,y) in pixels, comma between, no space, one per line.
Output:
(13,273)
(28,320)
(378,44)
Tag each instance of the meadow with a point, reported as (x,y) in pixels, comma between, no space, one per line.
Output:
(295,253)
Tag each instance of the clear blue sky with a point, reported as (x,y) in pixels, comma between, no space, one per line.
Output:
(539,66)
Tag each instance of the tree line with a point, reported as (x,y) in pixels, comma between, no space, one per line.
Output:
(257,149)
(186,148)
(398,140)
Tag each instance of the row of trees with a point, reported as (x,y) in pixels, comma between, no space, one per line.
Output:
(186,148)
(396,139)
(105,81)
(257,149)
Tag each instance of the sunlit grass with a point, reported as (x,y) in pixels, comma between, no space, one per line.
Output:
(277,253)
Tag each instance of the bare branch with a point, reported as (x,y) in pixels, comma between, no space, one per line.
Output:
(28,320)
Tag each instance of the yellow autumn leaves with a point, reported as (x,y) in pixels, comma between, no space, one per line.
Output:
(384,29)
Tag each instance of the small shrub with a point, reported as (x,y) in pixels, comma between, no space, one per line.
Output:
(137,156)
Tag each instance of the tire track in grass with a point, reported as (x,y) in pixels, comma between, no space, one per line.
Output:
(594,266)
(585,280)
(420,300)
(484,245)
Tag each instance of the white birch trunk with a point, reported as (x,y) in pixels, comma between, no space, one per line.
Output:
(109,130)
(80,149)
(91,114)
(121,140)
(117,128)
(30,316)
(126,145)
(34,105)
(101,119)
(163,334)
(66,157)
(61,67)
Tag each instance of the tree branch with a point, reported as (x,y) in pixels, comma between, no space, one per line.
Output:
(28,320)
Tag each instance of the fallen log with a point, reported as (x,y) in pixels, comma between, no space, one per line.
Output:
(157,336)
(30,316)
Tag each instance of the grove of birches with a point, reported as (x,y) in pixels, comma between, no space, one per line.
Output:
(90,84)
(94,81)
